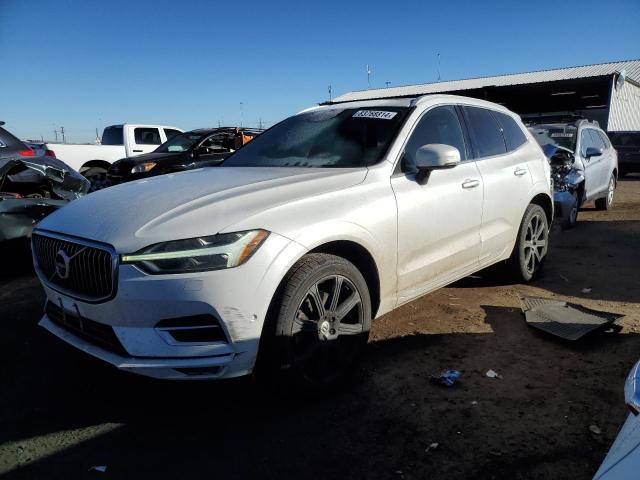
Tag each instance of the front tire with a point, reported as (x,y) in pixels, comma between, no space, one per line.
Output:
(97,177)
(572,218)
(606,203)
(319,324)
(532,244)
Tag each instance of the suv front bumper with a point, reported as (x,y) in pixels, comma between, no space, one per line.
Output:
(234,300)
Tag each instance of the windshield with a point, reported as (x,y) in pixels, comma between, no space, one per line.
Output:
(328,137)
(556,135)
(179,143)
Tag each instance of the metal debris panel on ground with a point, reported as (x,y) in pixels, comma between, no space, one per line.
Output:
(563,319)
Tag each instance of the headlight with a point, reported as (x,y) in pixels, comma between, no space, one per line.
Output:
(143,167)
(216,252)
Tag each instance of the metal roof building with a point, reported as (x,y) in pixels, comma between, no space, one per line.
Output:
(595,91)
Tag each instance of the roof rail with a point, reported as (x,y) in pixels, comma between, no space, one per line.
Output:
(588,122)
(414,98)
(557,118)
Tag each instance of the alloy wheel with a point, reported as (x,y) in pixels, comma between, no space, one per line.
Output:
(612,187)
(535,243)
(327,322)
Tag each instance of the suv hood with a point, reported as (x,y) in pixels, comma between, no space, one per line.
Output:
(191,204)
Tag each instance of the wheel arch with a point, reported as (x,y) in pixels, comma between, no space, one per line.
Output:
(363,261)
(94,164)
(546,203)
(350,250)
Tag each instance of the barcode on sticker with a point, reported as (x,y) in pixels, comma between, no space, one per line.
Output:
(561,135)
(374,114)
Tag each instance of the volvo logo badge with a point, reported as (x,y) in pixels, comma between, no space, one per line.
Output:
(62,264)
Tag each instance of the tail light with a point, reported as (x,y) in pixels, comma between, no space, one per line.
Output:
(50,153)
(27,153)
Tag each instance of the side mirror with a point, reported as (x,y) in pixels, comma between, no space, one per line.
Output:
(593,152)
(436,156)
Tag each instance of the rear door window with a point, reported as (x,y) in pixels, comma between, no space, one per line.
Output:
(513,134)
(485,132)
(147,136)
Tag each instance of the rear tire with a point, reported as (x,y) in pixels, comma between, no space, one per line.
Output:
(532,244)
(319,323)
(606,203)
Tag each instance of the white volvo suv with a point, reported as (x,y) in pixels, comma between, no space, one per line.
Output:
(277,261)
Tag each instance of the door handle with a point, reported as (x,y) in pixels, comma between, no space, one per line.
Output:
(470,183)
(520,171)
(137,150)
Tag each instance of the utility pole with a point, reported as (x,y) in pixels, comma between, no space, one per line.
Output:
(368,76)
(62,131)
(386,84)
(260,123)
(438,66)
(329,92)
(97,137)
(55,132)
(241,112)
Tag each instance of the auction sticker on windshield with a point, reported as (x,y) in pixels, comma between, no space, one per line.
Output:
(374,114)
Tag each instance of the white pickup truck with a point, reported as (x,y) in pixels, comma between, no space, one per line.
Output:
(118,141)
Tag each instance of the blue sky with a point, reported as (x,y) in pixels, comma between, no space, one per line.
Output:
(88,64)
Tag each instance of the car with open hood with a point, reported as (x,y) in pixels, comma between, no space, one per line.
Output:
(205,147)
(584,164)
(277,261)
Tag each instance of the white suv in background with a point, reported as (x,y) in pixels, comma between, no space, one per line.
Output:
(277,261)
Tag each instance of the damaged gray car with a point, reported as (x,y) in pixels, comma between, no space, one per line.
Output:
(584,166)
(31,187)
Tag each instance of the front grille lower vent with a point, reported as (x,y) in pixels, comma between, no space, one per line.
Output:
(82,270)
(95,332)
(193,329)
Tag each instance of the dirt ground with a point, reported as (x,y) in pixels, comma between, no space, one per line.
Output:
(62,412)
